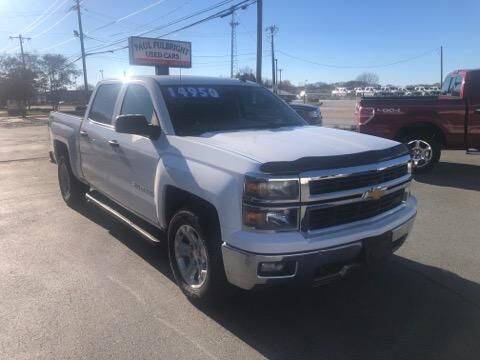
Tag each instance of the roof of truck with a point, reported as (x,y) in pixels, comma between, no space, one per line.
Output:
(192,80)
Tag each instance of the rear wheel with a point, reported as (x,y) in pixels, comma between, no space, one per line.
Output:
(424,150)
(72,190)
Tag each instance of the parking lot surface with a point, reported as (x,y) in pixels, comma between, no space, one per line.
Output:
(77,284)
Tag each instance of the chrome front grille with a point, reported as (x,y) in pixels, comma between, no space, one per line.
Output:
(341,196)
(354,181)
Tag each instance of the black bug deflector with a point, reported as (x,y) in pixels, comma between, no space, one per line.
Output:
(331,162)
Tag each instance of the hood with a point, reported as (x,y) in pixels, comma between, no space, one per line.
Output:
(293,143)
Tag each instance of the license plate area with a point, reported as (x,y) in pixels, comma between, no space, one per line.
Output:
(378,249)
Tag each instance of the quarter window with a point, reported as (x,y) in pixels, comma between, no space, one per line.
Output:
(104,103)
(138,101)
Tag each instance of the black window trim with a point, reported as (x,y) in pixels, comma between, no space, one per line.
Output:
(110,126)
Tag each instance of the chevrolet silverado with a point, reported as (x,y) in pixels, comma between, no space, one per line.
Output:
(243,190)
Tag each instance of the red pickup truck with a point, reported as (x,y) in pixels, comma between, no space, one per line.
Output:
(428,124)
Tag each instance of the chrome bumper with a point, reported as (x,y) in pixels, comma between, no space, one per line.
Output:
(241,267)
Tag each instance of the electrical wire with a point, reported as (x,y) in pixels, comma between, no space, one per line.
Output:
(42,18)
(52,26)
(136,12)
(357,66)
(221,13)
(174,22)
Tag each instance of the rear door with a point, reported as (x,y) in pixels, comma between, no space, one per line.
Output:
(132,180)
(472,95)
(451,108)
(95,151)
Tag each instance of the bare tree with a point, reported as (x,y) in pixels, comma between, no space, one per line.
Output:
(368,78)
(245,73)
(56,74)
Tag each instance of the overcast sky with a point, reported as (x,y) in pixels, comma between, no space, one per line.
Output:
(318,40)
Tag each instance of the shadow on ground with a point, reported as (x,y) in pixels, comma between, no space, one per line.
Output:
(462,176)
(405,311)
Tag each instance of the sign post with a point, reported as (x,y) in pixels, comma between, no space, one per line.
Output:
(161,53)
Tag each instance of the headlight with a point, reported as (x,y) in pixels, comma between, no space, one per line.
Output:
(271,218)
(314,114)
(267,190)
(266,203)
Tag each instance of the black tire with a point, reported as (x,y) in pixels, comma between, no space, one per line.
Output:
(215,285)
(423,139)
(72,190)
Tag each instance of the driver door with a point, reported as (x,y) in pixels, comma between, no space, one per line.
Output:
(136,157)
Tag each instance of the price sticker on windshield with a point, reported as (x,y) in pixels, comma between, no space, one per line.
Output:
(192,92)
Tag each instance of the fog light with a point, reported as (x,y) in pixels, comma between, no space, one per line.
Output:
(277,268)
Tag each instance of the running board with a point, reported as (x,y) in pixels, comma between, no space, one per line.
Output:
(122,218)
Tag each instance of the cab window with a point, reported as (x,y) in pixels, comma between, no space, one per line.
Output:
(104,103)
(138,101)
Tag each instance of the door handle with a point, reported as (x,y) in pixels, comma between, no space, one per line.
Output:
(113,143)
(83,133)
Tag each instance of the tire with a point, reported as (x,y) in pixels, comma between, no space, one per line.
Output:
(72,190)
(424,149)
(199,288)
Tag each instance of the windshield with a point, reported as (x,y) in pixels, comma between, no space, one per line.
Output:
(197,109)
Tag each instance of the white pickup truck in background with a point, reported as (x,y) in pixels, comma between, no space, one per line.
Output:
(246,192)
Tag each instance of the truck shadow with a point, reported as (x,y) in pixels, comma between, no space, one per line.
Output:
(406,310)
(462,176)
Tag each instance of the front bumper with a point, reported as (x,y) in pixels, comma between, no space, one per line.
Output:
(319,266)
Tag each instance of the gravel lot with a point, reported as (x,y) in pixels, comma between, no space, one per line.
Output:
(76,284)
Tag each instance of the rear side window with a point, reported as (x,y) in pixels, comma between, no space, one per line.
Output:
(452,85)
(456,86)
(138,101)
(104,103)
(446,85)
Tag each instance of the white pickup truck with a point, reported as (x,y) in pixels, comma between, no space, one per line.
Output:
(246,192)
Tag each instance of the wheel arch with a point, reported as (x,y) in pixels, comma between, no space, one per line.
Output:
(422,127)
(175,199)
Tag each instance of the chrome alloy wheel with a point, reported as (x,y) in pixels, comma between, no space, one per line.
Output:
(421,153)
(191,256)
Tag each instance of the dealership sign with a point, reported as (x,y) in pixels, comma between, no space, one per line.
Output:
(161,52)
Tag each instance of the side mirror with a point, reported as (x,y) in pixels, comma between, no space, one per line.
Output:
(137,125)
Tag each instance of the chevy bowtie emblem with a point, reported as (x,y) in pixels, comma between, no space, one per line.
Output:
(374,194)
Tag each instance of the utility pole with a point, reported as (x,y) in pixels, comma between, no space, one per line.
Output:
(280,79)
(259,40)
(101,73)
(441,66)
(21,39)
(276,75)
(273,30)
(233,43)
(80,29)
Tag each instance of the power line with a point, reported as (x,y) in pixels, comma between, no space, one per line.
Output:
(358,66)
(136,12)
(52,26)
(44,16)
(174,22)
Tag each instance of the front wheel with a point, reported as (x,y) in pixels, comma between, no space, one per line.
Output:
(424,150)
(194,248)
